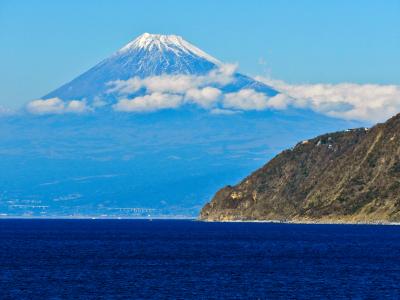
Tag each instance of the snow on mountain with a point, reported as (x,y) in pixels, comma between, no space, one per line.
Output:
(146,56)
(164,43)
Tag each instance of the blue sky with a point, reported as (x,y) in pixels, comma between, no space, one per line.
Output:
(47,43)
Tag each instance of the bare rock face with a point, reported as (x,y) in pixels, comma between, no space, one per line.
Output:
(349,176)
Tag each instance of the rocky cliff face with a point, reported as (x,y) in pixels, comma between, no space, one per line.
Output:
(350,176)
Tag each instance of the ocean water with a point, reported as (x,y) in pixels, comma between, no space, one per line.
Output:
(139,259)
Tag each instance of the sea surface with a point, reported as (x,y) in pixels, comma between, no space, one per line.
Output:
(175,259)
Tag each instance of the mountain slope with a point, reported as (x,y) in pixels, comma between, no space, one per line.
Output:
(149,55)
(346,176)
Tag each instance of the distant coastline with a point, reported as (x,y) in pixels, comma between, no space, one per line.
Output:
(182,218)
(304,222)
(94,218)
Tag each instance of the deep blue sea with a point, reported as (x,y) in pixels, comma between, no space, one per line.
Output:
(140,259)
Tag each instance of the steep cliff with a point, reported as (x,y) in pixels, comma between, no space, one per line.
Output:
(350,176)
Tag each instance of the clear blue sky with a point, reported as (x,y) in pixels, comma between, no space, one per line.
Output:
(46,43)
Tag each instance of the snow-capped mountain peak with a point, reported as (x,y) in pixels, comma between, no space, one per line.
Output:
(160,42)
(149,55)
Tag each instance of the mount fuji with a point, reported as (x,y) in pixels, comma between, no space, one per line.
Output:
(146,56)
(167,163)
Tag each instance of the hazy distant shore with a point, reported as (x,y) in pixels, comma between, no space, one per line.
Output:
(184,218)
(305,222)
(96,218)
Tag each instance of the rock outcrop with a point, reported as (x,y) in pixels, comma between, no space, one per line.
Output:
(349,176)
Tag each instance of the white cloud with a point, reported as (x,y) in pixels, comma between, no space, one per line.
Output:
(98,102)
(220,111)
(125,86)
(49,106)
(367,102)
(162,92)
(174,83)
(56,106)
(249,99)
(76,106)
(171,91)
(246,99)
(169,83)
(204,97)
(222,76)
(280,101)
(148,103)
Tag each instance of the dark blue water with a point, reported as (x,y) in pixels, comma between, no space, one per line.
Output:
(91,259)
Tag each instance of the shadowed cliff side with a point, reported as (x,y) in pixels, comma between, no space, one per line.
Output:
(350,176)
